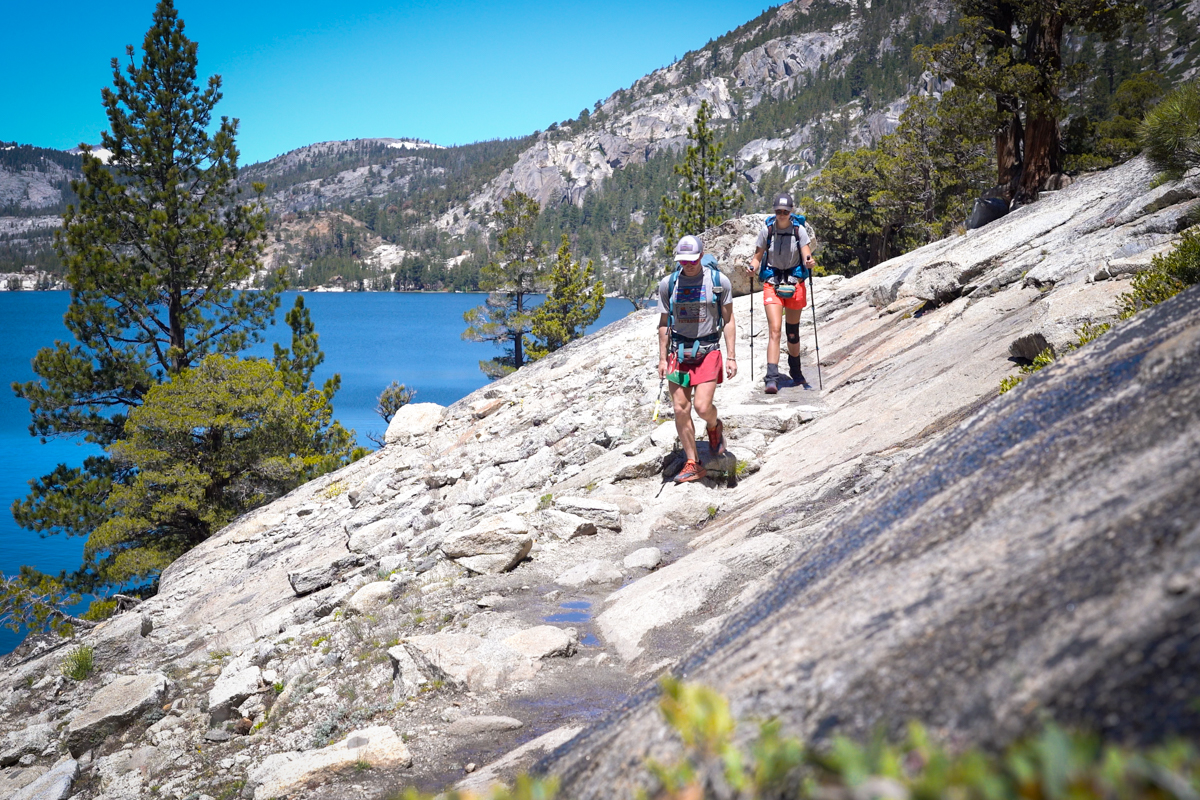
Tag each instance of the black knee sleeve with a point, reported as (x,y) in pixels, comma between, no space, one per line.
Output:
(793,332)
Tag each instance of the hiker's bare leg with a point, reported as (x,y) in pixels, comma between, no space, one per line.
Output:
(774,327)
(793,318)
(703,403)
(681,399)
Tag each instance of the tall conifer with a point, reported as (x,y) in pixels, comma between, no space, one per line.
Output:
(574,301)
(509,279)
(154,254)
(708,186)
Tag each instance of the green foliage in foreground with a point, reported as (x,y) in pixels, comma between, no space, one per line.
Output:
(1054,764)
(1171,131)
(1051,765)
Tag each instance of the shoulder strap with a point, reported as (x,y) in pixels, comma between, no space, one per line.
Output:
(671,300)
(718,300)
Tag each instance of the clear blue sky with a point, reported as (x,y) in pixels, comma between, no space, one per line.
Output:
(301,72)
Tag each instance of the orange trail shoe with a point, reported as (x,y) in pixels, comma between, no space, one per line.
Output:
(716,438)
(692,471)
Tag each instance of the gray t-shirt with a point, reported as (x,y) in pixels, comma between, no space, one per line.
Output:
(785,248)
(694,307)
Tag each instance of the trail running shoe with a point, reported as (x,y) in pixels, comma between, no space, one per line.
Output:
(692,471)
(797,373)
(716,438)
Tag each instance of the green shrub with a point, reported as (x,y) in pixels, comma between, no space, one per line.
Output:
(1052,765)
(545,501)
(77,664)
(1170,133)
(1168,275)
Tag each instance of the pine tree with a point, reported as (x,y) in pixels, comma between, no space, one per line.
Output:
(708,189)
(155,254)
(1014,52)
(574,301)
(509,279)
(214,442)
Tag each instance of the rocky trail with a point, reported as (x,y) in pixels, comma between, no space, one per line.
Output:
(502,582)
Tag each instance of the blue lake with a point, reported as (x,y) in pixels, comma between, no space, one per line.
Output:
(371,339)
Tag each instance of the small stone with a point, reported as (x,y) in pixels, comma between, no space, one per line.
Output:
(471,767)
(645,558)
(489,601)
(217,735)
(590,572)
(27,760)
(543,641)
(471,726)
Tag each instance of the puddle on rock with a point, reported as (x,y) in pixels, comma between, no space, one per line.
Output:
(576,611)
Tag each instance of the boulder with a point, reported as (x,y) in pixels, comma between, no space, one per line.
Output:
(374,534)
(113,707)
(412,420)
(312,579)
(473,726)
(544,641)
(371,598)
(469,662)
(590,573)
(604,515)
(565,526)
(15,778)
(31,740)
(645,558)
(54,785)
(495,545)
(237,681)
(284,774)
(407,678)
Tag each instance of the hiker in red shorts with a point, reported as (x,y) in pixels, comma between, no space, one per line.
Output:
(695,304)
(783,243)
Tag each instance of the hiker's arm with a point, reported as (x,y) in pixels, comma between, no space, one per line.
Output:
(809,261)
(663,336)
(755,260)
(730,340)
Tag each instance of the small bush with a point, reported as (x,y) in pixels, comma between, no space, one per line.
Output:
(545,501)
(77,664)
(1168,275)
(1170,133)
(1052,765)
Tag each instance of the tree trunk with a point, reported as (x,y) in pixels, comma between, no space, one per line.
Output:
(1041,157)
(1043,48)
(1008,148)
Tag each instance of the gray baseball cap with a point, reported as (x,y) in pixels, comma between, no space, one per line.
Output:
(784,202)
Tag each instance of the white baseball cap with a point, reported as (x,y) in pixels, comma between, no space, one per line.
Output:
(689,248)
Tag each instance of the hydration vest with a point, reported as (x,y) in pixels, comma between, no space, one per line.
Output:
(685,348)
(767,273)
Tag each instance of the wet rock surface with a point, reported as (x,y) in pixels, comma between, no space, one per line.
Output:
(524,554)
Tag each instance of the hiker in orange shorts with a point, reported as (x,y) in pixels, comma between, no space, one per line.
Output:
(781,260)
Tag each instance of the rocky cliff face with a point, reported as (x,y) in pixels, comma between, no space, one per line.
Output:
(507,576)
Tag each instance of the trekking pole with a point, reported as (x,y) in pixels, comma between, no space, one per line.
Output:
(752,328)
(812,296)
(658,400)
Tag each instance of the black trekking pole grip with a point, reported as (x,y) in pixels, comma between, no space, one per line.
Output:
(812,297)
